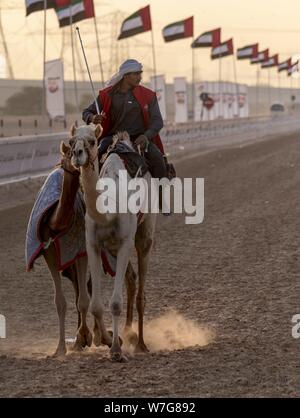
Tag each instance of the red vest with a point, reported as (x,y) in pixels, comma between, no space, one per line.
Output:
(143,97)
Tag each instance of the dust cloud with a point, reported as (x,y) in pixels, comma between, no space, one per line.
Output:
(174,332)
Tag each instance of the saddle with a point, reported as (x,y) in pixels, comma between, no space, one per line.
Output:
(135,164)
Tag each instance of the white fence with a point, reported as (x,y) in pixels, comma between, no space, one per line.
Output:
(29,155)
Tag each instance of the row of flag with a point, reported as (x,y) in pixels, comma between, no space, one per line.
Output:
(141,22)
(71,11)
(67,11)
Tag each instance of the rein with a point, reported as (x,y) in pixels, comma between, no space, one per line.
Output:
(73,173)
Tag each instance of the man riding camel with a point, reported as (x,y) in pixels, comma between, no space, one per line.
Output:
(124,105)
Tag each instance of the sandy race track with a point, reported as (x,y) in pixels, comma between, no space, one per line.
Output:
(220,295)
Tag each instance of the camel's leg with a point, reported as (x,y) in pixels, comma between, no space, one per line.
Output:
(71,274)
(96,330)
(60,301)
(117,298)
(143,245)
(130,280)
(97,274)
(76,290)
(83,337)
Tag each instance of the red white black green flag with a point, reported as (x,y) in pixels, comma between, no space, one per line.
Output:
(293,68)
(262,56)
(37,5)
(179,30)
(136,23)
(285,65)
(211,38)
(249,51)
(72,11)
(222,50)
(271,62)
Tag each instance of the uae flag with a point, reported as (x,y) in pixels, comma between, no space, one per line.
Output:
(73,9)
(271,62)
(222,50)
(293,68)
(138,22)
(37,5)
(262,56)
(179,30)
(211,38)
(249,51)
(285,65)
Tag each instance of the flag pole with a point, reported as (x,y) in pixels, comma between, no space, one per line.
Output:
(279,88)
(193,79)
(7,57)
(269,87)
(154,59)
(44,105)
(237,91)
(220,92)
(257,90)
(99,52)
(153,50)
(73,61)
(291,76)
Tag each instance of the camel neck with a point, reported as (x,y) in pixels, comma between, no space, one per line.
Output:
(89,178)
(69,189)
(64,211)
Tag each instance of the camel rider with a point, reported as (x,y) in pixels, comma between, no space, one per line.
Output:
(126,106)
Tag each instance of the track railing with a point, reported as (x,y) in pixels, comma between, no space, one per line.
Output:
(26,156)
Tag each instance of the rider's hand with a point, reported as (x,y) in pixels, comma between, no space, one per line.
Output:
(142,141)
(96,119)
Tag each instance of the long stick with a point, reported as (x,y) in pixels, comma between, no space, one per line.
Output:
(88,70)
(73,59)
(44,104)
(99,52)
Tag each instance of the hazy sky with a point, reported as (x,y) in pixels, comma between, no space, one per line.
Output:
(272,23)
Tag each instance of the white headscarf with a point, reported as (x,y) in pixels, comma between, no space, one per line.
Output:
(129,66)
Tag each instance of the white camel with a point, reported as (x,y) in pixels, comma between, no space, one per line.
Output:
(119,233)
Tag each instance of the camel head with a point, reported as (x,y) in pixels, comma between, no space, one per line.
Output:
(84,144)
(66,155)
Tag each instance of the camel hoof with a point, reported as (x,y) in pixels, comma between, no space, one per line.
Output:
(84,338)
(60,353)
(141,348)
(118,358)
(77,346)
(97,338)
(104,341)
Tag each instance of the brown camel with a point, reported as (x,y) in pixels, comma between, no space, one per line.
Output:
(56,221)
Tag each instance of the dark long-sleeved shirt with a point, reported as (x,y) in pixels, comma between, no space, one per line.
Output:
(126,115)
